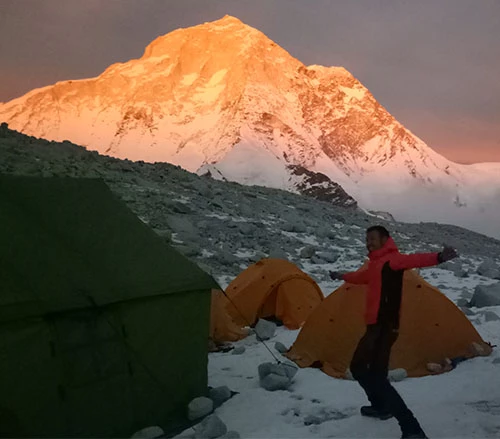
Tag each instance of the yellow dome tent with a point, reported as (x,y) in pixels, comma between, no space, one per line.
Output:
(432,329)
(222,326)
(273,288)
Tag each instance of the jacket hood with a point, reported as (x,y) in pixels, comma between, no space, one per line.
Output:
(389,247)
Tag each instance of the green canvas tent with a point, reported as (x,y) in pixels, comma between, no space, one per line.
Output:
(103,326)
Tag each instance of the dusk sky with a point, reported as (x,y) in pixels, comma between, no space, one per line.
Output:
(434,64)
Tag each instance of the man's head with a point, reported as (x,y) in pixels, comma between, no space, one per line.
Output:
(376,237)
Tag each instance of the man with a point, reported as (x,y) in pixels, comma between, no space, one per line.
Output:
(370,362)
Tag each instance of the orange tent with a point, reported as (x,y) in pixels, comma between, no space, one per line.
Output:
(222,326)
(432,329)
(273,288)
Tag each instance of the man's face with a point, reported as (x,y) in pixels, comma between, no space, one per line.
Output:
(374,241)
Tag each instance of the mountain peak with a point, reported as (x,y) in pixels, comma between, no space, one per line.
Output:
(227,19)
(228,27)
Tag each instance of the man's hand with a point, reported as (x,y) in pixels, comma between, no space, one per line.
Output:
(336,275)
(447,254)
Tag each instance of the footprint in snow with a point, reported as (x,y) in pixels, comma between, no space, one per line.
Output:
(291,411)
(326,414)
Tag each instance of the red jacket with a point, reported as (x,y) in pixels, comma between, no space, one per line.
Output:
(384,277)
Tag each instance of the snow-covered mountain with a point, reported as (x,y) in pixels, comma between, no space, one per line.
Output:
(223,98)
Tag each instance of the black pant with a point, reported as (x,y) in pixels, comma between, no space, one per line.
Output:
(370,365)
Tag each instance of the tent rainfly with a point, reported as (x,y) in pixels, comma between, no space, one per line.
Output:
(103,327)
(273,288)
(432,329)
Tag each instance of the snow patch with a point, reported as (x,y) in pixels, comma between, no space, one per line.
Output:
(354,93)
(189,79)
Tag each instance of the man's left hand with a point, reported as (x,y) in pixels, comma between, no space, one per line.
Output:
(447,254)
(336,275)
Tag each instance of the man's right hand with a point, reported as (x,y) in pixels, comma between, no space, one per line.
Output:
(447,254)
(336,275)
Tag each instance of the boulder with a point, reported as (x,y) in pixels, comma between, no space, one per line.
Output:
(238,350)
(226,258)
(286,369)
(148,433)
(278,253)
(321,232)
(188,250)
(264,369)
(459,271)
(294,227)
(490,316)
(455,267)
(467,311)
(466,293)
(258,256)
(329,257)
(398,374)
(317,260)
(203,189)
(219,395)
(280,347)
(489,269)
(179,224)
(247,229)
(486,295)
(274,382)
(290,369)
(178,207)
(276,376)
(265,329)
(307,252)
(200,407)
(210,428)
(462,302)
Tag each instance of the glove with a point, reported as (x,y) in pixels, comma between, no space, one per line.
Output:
(447,254)
(336,275)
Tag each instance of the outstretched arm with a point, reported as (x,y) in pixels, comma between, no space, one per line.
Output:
(356,277)
(416,260)
(421,260)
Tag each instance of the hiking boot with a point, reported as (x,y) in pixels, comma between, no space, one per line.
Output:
(372,412)
(420,435)
(414,435)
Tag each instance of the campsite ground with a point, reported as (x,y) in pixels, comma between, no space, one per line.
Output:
(225,227)
(464,403)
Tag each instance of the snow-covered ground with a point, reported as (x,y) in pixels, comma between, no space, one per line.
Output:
(463,403)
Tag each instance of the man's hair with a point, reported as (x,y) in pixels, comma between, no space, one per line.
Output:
(382,231)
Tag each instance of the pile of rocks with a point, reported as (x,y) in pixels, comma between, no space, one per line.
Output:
(225,226)
(277,376)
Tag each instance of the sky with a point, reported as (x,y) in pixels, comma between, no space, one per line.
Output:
(434,64)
